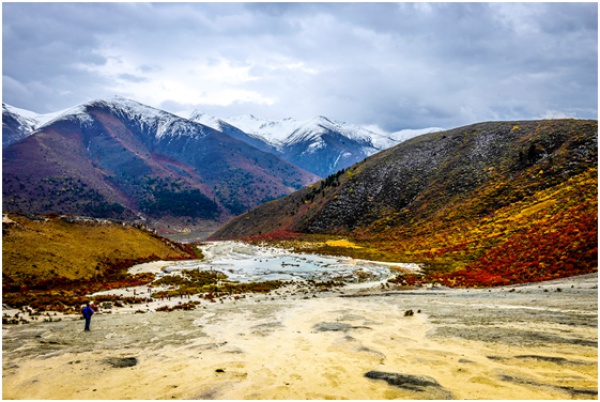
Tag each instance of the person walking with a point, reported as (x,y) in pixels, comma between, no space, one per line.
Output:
(87,312)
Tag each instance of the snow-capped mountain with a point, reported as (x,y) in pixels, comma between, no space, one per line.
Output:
(151,121)
(324,147)
(18,123)
(119,158)
(227,128)
(281,133)
(319,145)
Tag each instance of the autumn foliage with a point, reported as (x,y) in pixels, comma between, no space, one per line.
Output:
(560,246)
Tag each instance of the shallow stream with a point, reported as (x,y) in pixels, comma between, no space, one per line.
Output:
(244,262)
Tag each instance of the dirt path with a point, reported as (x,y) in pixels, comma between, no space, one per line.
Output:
(528,342)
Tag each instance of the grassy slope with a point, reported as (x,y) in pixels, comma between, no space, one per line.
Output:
(55,248)
(528,219)
(551,234)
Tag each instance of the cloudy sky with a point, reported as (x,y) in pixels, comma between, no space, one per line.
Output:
(395,65)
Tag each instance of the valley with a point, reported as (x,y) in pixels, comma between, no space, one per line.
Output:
(280,323)
(300,201)
(459,264)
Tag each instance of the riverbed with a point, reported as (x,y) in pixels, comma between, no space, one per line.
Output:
(243,262)
(360,341)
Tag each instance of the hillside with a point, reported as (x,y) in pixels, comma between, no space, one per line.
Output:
(120,159)
(74,249)
(518,196)
(53,260)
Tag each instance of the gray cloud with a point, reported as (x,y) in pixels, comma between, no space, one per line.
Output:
(397,65)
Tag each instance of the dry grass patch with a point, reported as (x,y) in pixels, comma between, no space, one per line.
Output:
(342,243)
(52,247)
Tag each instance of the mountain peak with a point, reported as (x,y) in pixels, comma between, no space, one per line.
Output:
(322,118)
(130,106)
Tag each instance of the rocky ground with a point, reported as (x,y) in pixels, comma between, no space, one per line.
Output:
(536,341)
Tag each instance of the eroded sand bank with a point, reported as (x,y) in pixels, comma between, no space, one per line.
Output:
(528,342)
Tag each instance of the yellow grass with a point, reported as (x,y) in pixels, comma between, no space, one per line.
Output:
(54,247)
(342,243)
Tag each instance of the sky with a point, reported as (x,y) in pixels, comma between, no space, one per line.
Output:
(391,65)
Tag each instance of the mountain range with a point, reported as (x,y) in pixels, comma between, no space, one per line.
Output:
(122,159)
(319,145)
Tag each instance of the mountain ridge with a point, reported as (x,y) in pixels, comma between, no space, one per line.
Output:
(318,145)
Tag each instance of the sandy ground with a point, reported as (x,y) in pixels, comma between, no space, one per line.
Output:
(529,342)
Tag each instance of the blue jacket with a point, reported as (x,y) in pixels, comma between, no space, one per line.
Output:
(87,312)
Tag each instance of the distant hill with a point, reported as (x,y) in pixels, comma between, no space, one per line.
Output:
(120,159)
(457,198)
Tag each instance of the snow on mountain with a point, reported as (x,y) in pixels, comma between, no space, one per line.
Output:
(148,119)
(29,118)
(288,131)
(24,118)
(235,132)
(206,119)
(274,132)
(319,145)
(281,133)
(312,130)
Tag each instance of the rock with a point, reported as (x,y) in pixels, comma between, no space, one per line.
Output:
(121,362)
(583,393)
(412,383)
(332,326)
(409,313)
(550,359)
(337,327)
